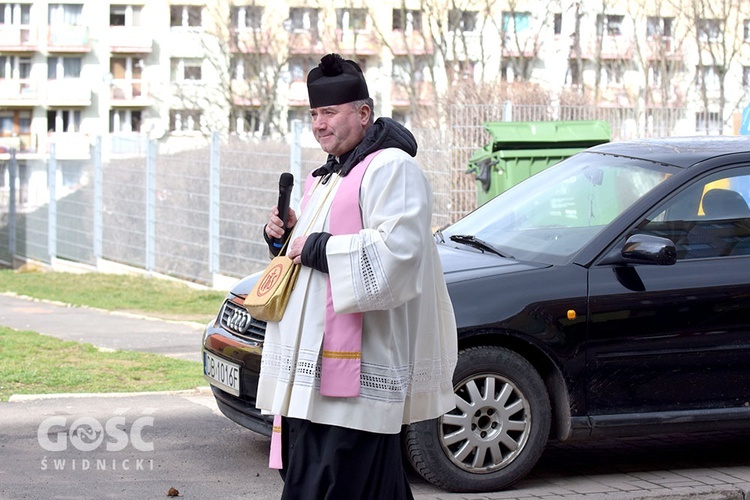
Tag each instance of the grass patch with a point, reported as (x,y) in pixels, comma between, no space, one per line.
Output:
(116,292)
(38,364)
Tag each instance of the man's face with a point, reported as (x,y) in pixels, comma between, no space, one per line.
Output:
(339,128)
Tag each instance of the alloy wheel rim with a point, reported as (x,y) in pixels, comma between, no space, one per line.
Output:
(489,427)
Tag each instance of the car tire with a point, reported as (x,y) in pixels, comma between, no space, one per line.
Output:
(455,452)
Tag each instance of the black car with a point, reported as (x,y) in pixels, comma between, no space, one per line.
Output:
(608,295)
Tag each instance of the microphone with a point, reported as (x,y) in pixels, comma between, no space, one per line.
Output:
(286,182)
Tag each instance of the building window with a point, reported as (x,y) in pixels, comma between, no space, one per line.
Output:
(708,123)
(746,30)
(15,14)
(515,22)
(351,19)
(15,68)
(301,114)
(574,72)
(406,71)
(708,76)
(125,15)
(186,69)
(185,16)
(66,14)
(709,30)
(462,20)
(124,120)
(656,75)
(237,68)
(247,121)
(15,122)
(659,26)
(746,76)
(299,67)
(612,72)
(303,18)
(184,120)
(59,68)
(557,24)
(461,70)
(609,24)
(246,17)
(64,120)
(407,20)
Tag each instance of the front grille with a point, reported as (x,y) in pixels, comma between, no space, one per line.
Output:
(236,319)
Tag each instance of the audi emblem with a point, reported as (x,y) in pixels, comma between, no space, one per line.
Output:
(237,319)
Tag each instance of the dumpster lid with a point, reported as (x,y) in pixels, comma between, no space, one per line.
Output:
(549,134)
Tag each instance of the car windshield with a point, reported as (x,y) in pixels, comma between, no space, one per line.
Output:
(552,215)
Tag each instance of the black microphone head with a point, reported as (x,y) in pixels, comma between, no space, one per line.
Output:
(286,180)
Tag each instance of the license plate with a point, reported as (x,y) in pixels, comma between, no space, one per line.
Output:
(221,373)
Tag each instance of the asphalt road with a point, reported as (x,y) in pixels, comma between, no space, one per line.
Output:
(139,446)
(58,449)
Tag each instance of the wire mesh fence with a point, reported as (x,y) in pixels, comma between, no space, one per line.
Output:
(198,214)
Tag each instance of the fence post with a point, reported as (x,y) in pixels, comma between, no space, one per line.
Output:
(98,201)
(52,212)
(295,162)
(151,206)
(214,199)
(507,111)
(13,176)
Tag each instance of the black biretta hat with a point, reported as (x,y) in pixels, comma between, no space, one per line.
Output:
(335,81)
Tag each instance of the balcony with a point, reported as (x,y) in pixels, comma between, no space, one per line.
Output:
(130,40)
(615,47)
(414,42)
(362,42)
(68,38)
(662,48)
(250,41)
(68,92)
(241,93)
(424,94)
(612,47)
(18,38)
(305,42)
(18,92)
(129,93)
(521,45)
(69,145)
(22,143)
(298,94)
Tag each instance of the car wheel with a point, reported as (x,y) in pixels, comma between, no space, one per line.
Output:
(497,431)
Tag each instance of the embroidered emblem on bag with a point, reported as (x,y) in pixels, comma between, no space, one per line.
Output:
(270,280)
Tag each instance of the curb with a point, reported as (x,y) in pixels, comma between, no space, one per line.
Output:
(25,398)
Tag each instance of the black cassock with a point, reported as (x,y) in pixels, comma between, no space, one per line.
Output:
(324,462)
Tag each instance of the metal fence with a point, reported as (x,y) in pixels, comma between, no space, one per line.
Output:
(198,214)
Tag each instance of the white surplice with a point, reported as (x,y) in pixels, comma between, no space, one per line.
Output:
(391,272)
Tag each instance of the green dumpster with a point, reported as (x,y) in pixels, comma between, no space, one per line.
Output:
(521,149)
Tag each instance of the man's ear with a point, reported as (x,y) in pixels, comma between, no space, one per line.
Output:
(364,114)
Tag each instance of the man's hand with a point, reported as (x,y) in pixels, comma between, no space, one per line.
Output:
(274,227)
(294,251)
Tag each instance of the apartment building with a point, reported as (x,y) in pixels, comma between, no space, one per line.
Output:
(74,70)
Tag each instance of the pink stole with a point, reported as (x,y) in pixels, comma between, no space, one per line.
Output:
(342,334)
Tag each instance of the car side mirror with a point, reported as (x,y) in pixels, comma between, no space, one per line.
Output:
(644,249)
(649,249)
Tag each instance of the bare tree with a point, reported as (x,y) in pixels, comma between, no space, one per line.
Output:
(521,35)
(718,36)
